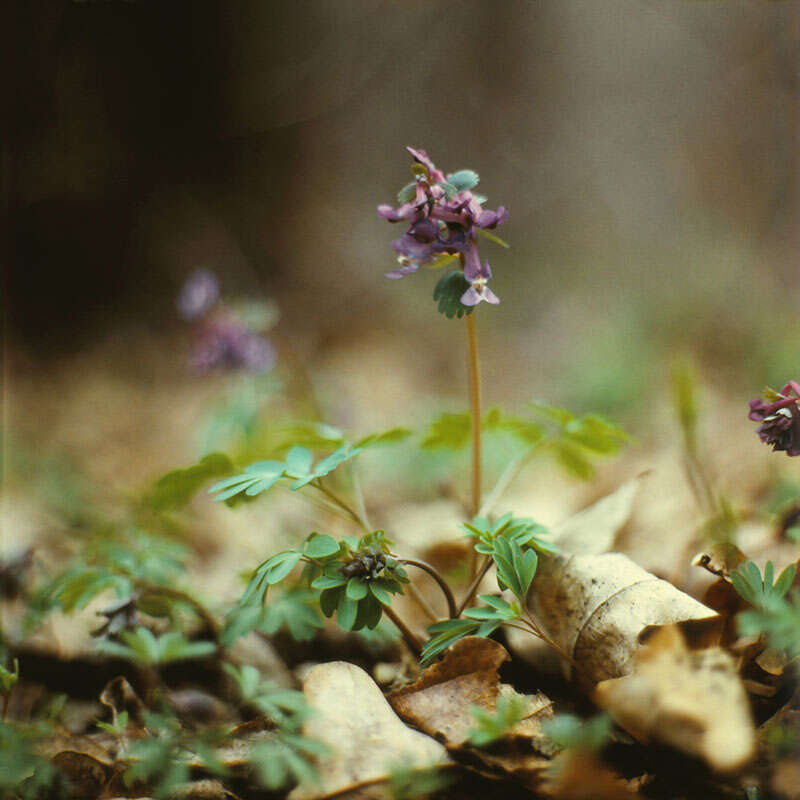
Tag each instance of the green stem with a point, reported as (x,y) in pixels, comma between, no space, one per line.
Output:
(336,500)
(437,576)
(473,587)
(475,414)
(507,477)
(537,631)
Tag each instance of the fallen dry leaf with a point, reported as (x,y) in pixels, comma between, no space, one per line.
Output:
(364,735)
(576,775)
(82,760)
(439,702)
(596,607)
(693,700)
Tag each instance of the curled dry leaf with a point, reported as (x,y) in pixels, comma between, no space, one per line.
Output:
(82,760)
(439,703)
(363,734)
(596,607)
(690,699)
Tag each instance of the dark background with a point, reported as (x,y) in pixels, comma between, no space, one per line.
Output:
(646,151)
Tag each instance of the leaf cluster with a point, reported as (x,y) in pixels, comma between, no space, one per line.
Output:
(452,431)
(23,772)
(142,646)
(573,733)
(298,466)
(760,592)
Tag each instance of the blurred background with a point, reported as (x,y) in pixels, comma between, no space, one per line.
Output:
(646,152)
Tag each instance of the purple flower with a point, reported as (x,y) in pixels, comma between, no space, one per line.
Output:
(478,290)
(227,343)
(199,294)
(443,219)
(779,416)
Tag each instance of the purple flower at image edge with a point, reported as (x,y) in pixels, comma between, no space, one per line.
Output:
(226,344)
(780,419)
(199,294)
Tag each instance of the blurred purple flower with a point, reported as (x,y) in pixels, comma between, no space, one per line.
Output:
(225,342)
(779,416)
(199,294)
(442,221)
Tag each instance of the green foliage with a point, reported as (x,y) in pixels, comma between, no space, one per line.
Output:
(453,431)
(286,708)
(409,783)
(778,622)
(515,567)
(174,490)
(493,237)
(463,179)
(762,593)
(23,773)
(8,679)
(298,466)
(448,292)
(573,733)
(522,530)
(142,646)
(407,193)
(283,758)
(117,728)
(491,727)
(575,440)
(683,380)
(449,631)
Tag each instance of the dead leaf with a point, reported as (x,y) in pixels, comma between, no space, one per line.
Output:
(720,559)
(690,699)
(363,733)
(439,702)
(118,696)
(596,607)
(594,529)
(82,760)
(577,775)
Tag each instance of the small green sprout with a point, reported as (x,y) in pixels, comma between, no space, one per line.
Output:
(491,727)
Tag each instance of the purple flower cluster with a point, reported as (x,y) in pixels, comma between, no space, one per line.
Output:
(224,341)
(443,218)
(779,416)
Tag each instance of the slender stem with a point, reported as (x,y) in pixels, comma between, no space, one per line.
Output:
(537,631)
(361,505)
(334,498)
(437,576)
(408,635)
(475,413)
(473,587)
(423,604)
(507,477)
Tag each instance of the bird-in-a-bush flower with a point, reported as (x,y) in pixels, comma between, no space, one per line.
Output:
(226,338)
(779,416)
(443,216)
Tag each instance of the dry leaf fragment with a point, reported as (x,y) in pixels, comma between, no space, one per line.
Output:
(439,702)
(363,733)
(577,775)
(692,700)
(82,760)
(597,606)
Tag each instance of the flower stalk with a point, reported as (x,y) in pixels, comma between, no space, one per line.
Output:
(475,415)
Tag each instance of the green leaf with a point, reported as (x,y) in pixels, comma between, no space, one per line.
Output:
(444,634)
(390,436)
(356,589)
(572,733)
(298,461)
(328,582)
(463,179)
(492,237)
(8,679)
(450,191)
(380,593)
(494,726)
(346,612)
(256,478)
(175,489)
(320,545)
(295,610)
(448,292)
(448,431)
(407,193)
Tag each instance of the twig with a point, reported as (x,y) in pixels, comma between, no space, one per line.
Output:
(436,575)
